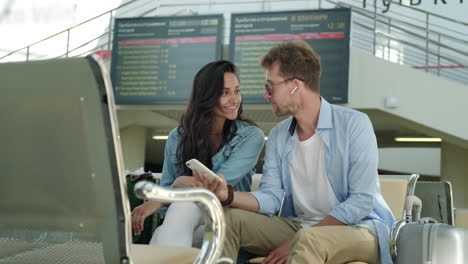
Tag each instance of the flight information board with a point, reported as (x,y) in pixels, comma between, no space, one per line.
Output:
(154,60)
(325,30)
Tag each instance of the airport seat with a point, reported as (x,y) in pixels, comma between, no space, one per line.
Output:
(256,179)
(63,186)
(144,254)
(437,200)
(461,217)
(395,189)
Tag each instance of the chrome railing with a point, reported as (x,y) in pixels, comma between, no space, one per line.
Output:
(83,38)
(409,37)
(403,34)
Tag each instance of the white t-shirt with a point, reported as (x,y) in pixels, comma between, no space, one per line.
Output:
(313,196)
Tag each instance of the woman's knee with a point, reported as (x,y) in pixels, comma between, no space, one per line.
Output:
(184,206)
(183,213)
(183,210)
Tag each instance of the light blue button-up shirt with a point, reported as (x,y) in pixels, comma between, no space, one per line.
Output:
(351,158)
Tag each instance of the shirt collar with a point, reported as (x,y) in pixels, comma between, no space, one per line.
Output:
(324,120)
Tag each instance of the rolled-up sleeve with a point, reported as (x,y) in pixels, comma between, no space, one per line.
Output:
(362,176)
(271,191)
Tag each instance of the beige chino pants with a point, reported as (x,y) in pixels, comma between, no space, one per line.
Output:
(260,234)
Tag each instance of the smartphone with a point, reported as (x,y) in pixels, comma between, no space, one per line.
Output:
(201,169)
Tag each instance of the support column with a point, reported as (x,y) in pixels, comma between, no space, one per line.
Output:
(133,140)
(454,168)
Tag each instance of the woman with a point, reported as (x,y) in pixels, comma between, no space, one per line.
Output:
(213,131)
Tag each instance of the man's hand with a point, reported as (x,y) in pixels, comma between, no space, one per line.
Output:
(279,255)
(329,221)
(140,213)
(242,200)
(217,186)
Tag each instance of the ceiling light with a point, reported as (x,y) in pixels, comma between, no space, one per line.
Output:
(417,139)
(160,137)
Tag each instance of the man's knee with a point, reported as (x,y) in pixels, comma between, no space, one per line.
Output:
(308,238)
(307,244)
(307,233)
(233,216)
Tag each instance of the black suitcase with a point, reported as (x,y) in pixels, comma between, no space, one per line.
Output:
(150,222)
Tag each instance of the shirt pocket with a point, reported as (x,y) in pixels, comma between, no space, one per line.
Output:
(223,155)
(230,147)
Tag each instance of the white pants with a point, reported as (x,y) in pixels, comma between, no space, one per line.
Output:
(183,226)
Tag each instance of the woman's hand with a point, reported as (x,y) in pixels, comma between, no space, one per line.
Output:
(217,186)
(140,213)
(183,182)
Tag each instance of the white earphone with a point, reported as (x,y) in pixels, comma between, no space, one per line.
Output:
(293,90)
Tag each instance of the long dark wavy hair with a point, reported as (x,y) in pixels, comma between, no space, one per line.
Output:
(196,122)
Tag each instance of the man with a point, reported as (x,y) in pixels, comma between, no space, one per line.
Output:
(323,160)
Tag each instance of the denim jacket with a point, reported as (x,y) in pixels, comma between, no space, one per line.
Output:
(235,160)
(351,158)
